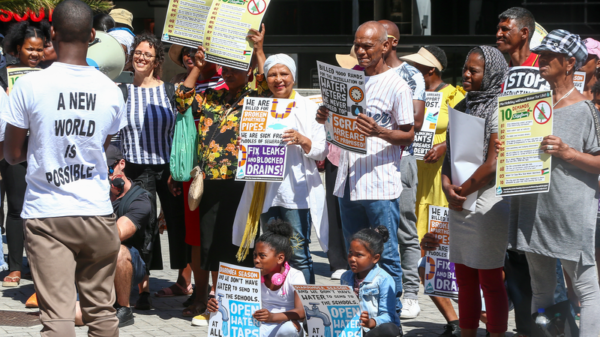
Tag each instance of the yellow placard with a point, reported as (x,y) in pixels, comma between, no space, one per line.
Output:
(184,24)
(523,122)
(227,27)
(14,73)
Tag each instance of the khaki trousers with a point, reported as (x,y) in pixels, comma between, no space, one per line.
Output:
(65,252)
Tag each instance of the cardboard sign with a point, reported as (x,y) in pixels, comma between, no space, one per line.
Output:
(579,80)
(522,80)
(184,24)
(522,167)
(440,277)
(226,30)
(331,311)
(262,154)
(13,75)
(343,92)
(424,139)
(238,293)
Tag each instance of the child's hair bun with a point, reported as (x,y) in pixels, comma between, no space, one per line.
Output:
(384,232)
(279,227)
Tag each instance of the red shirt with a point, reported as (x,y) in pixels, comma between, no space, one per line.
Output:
(532,61)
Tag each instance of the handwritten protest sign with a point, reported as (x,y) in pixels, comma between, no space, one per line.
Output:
(343,92)
(523,121)
(227,28)
(14,73)
(424,139)
(331,311)
(184,24)
(522,80)
(440,277)
(238,293)
(262,155)
(579,81)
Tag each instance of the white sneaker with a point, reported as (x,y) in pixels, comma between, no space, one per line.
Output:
(337,274)
(201,320)
(410,309)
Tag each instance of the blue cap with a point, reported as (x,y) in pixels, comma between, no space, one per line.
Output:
(541,310)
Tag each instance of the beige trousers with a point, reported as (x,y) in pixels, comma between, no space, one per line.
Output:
(65,252)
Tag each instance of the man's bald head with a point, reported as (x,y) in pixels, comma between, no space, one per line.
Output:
(391,28)
(372,29)
(72,21)
(370,44)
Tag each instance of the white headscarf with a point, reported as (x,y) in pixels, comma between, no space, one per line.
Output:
(124,38)
(281,59)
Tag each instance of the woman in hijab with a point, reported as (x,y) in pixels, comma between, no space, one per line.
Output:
(479,238)
(300,198)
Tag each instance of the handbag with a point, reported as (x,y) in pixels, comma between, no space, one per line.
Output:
(185,146)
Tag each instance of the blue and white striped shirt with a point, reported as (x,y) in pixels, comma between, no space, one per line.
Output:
(148,136)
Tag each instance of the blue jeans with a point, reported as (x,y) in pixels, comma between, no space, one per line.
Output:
(300,221)
(360,214)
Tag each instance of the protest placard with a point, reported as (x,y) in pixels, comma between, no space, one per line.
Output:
(238,293)
(440,277)
(523,121)
(262,154)
(185,21)
(14,73)
(424,139)
(522,80)
(579,81)
(226,30)
(316,98)
(331,311)
(343,93)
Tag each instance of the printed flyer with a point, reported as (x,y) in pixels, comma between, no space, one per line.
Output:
(184,24)
(579,80)
(522,80)
(238,293)
(262,154)
(14,73)
(440,277)
(424,139)
(524,120)
(331,311)
(343,93)
(316,98)
(227,28)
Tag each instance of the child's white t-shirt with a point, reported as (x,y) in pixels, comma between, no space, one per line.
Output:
(282,299)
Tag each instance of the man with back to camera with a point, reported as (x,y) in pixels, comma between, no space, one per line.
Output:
(369,185)
(408,238)
(70,230)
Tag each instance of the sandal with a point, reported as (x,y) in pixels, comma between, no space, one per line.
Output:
(11,281)
(192,311)
(174,290)
(190,299)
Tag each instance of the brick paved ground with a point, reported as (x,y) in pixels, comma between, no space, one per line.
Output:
(165,319)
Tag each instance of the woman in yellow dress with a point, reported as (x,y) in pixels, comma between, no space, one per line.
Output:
(431,61)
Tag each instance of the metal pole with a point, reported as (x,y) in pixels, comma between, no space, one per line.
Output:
(354,15)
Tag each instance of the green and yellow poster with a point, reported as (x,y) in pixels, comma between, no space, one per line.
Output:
(523,122)
(14,73)
(184,24)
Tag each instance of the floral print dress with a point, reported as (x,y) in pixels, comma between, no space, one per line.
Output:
(219,125)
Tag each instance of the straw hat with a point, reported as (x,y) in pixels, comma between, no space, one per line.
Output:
(175,54)
(122,16)
(425,58)
(347,61)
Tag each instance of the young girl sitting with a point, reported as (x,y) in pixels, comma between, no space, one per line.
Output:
(374,287)
(282,310)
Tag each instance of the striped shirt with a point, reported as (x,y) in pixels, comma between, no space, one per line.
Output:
(148,136)
(376,174)
(216,82)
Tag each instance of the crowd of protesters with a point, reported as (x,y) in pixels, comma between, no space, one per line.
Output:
(85,208)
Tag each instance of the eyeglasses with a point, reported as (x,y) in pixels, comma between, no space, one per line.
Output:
(111,168)
(139,53)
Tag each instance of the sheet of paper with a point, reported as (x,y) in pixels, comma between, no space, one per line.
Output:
(524,120)
(424,139)
(579,80)
(466,138)
(184,24)
(316,98)
(331,311)
(226,30)
(13,74)
(239,296)
(521,80)
(440,277)
(262,155)
(343,92)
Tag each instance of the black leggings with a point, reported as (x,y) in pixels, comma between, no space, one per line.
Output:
(13,177)
(385,330)
(337,253)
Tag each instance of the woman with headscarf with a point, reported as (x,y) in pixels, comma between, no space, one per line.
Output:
(479,238)
(300,198)
(561,224)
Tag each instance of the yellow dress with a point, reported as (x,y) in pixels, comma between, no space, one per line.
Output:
(429,189)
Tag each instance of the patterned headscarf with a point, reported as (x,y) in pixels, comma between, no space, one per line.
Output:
(484,103)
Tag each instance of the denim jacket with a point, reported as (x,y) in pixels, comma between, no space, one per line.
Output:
(377,295)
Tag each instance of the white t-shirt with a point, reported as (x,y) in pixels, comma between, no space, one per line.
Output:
(69,111)
(276,301)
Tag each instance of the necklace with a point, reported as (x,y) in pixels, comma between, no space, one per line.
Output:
(565,96)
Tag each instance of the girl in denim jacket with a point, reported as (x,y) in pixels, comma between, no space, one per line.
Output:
(374,287)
